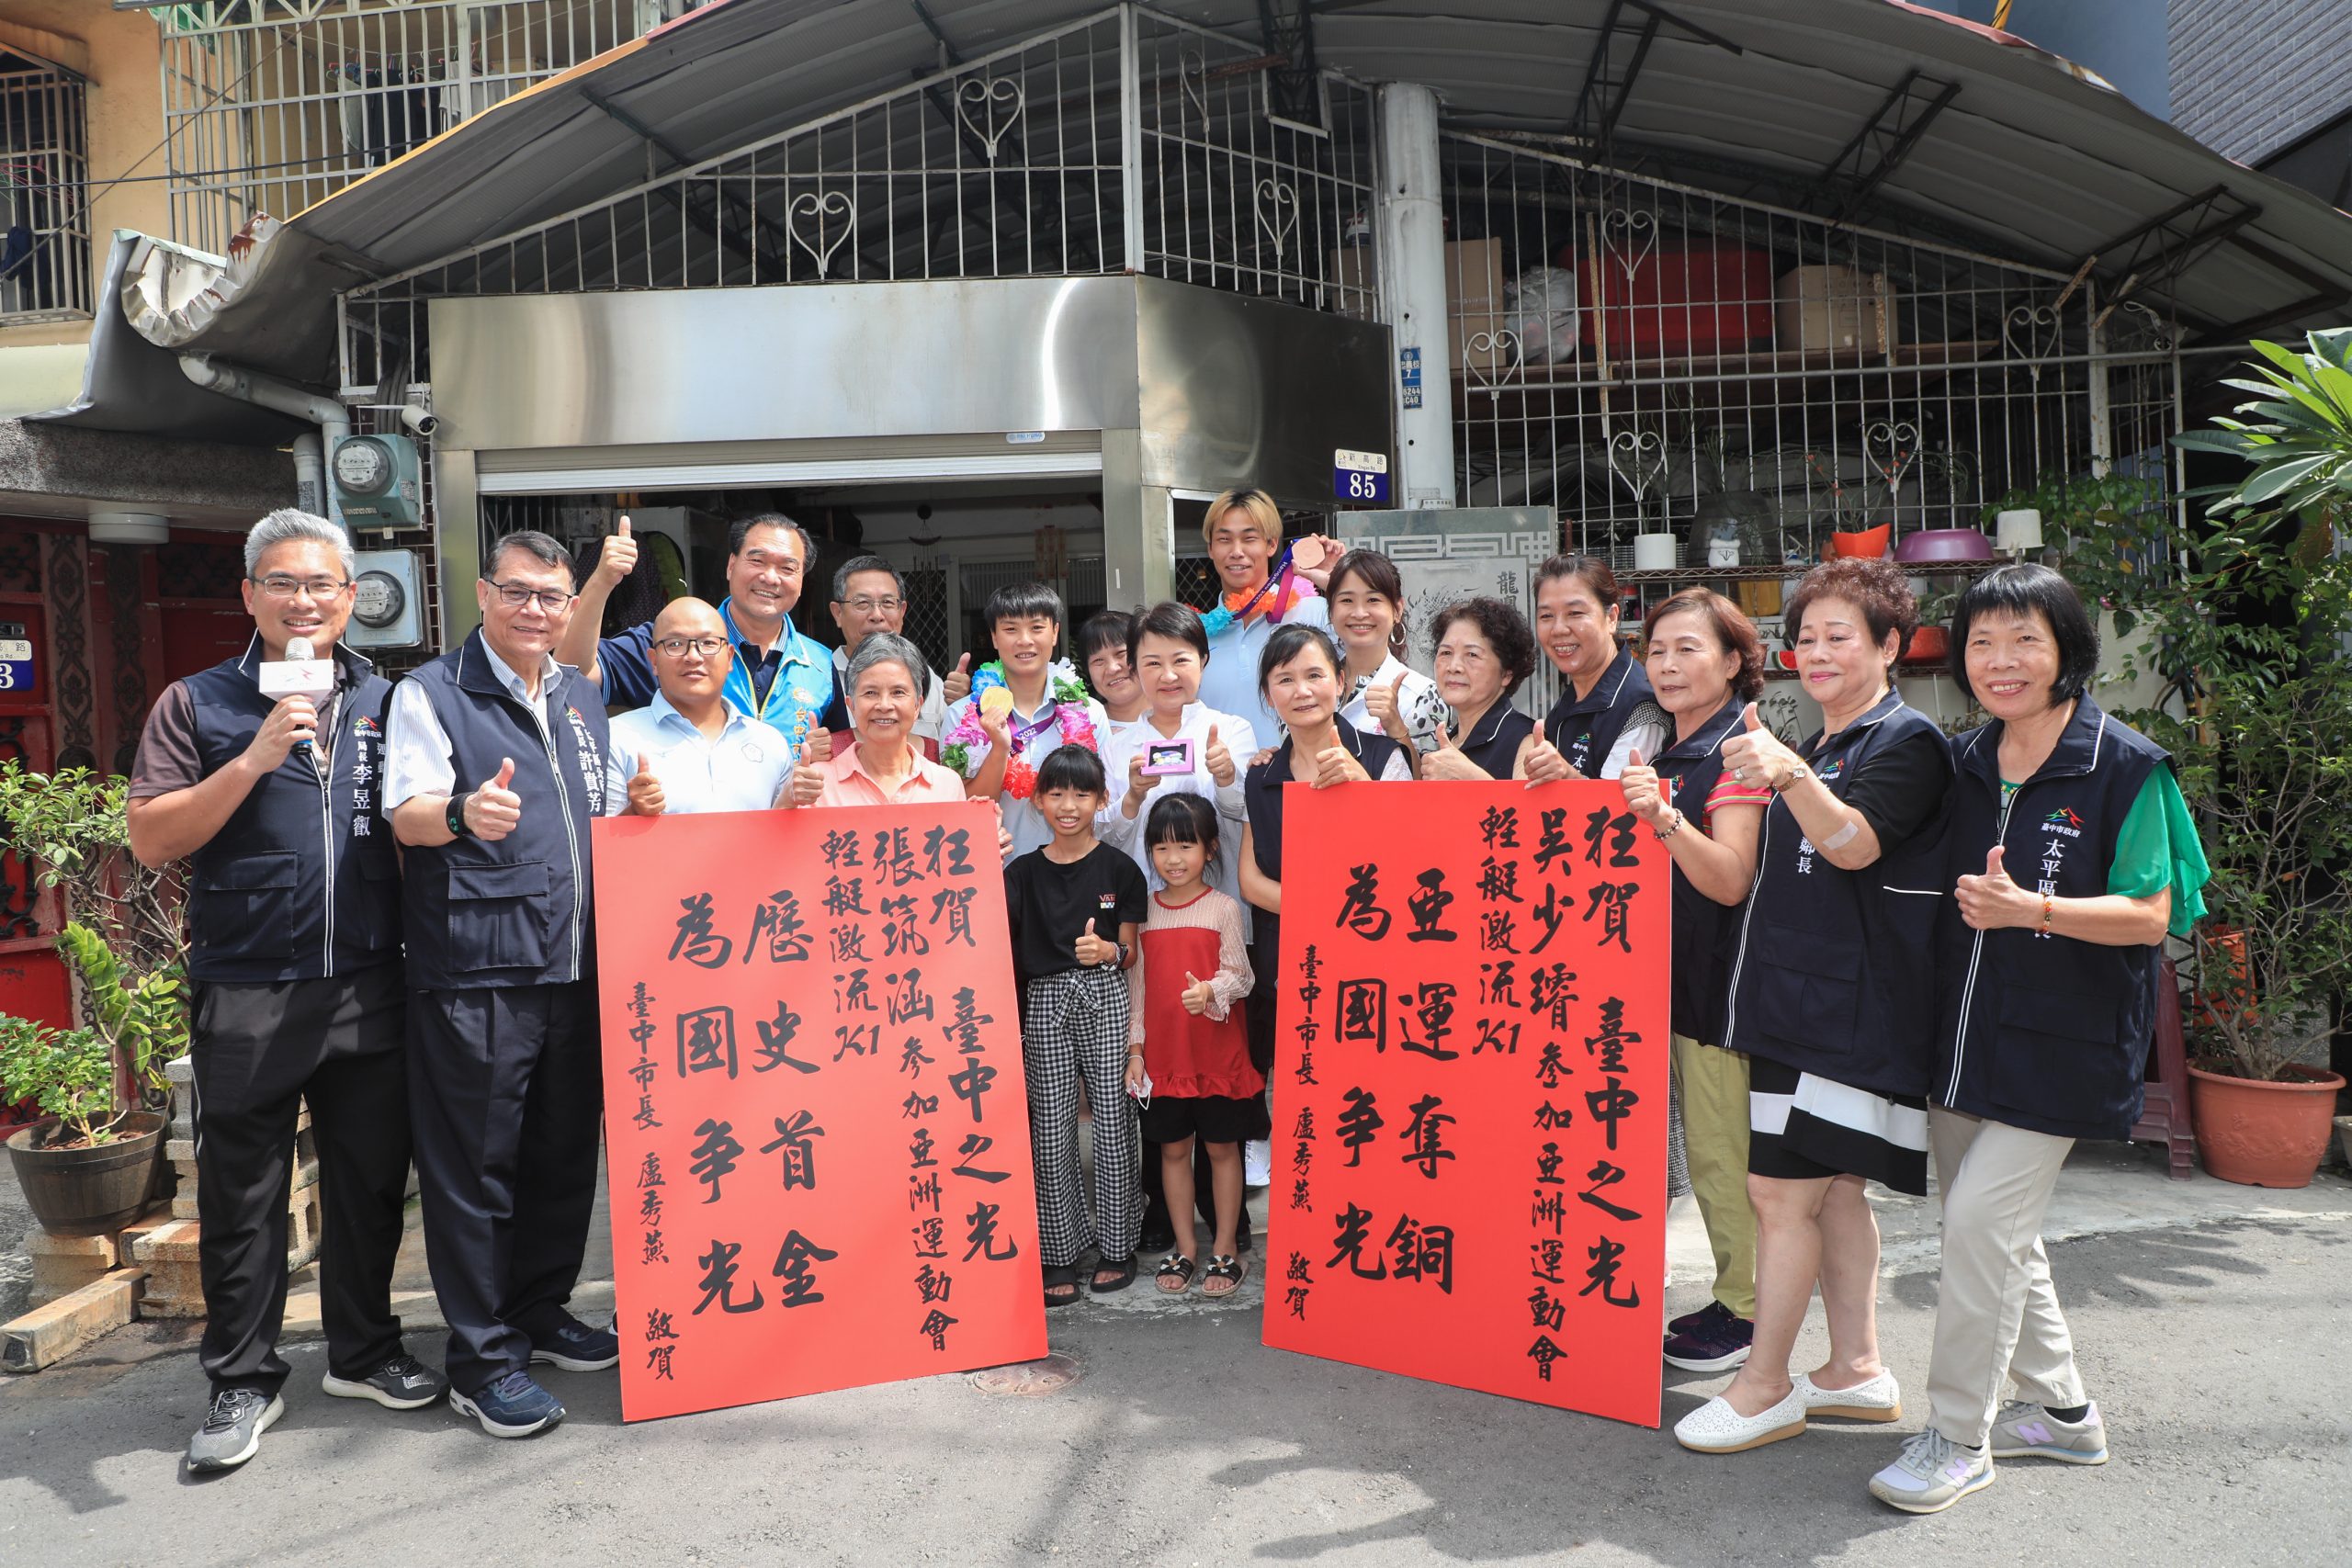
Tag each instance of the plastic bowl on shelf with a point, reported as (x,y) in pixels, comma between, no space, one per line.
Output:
(1945,545)
(1868,542)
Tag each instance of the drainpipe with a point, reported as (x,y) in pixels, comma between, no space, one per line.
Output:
(331,418)
(309,474)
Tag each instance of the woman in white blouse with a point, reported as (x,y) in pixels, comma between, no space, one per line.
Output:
(1383,694)
(1168,649)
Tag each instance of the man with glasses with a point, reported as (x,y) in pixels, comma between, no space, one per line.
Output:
(870,596)
(295,978)
(497,766)
(780,676)
(687,749)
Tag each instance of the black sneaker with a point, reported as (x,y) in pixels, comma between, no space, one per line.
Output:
(402,1384)
(514,1406)
(1691,1321)
(1715,1344)
(576,1348)
(232,1429)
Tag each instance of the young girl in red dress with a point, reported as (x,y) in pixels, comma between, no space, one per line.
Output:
(1189,1063)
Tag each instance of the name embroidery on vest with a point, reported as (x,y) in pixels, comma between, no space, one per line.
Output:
(369,736)
(591,765)
(2057,830)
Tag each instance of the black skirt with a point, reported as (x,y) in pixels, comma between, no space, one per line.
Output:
(1804,1128)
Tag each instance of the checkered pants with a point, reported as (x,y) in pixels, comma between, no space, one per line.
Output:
(1074,1027)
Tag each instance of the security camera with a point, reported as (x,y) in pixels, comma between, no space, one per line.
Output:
(419,420)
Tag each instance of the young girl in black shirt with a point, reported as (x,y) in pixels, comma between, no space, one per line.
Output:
(1074,905)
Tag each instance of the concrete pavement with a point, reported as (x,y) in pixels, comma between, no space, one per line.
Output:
(2210,1320)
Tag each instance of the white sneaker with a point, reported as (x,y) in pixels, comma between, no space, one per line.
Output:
(1876,1400)
(1716,1428)
(1932,1474)
(1256,1162)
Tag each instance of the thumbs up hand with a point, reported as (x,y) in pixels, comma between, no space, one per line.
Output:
(1448,762)
(1544,763)
(1648,795)
(1995,899)
(1380,701)
(1092,949)
(1219,760)
(1754,755)
(492,810)
(620,557)
(1196,995)
(645,799)
(956,684)
(807,781)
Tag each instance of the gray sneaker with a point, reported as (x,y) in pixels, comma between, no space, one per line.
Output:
(232,1429)
(1932,1474)
(2028,1431)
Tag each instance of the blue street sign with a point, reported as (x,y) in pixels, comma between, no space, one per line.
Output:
(1360,476)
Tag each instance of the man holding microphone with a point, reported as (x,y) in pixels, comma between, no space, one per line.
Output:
(497,765)
(294,980)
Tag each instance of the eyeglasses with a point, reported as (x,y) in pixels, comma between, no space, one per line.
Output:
(515,595)
(865,606)
(278,585)
(679,647)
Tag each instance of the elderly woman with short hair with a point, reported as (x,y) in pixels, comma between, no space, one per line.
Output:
(1826,978)
(887,680)
(2070,854)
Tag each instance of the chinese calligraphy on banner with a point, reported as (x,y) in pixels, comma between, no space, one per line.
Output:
(1470,1089)
(816,1130)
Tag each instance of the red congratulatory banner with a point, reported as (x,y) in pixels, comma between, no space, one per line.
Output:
(1470,1094)
(815,1124)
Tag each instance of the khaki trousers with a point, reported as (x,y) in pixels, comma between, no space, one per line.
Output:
(1997,1312)
(1713,1085)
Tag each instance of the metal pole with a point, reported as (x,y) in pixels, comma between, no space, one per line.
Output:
(1411,230)
(1130,140)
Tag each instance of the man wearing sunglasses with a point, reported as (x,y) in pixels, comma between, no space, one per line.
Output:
(295,983)
(497,765)
(688,750)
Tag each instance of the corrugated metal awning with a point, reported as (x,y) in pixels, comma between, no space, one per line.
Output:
(2038,156)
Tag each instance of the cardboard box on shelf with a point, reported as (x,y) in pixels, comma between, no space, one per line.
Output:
(1839,310)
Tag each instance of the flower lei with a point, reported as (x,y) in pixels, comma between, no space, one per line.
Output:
(1075,728)
(1282,581)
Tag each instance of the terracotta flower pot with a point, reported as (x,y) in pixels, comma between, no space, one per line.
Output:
(2263,1134)
(1929,645)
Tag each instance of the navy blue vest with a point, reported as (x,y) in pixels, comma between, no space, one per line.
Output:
(1584,728)
(1493,743)
(2047,1033)
(1832,970)
(516,912)
(1262,795)
(1703,930)
(302,881)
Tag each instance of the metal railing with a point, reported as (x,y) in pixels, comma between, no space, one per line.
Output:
(1651,358)
(270,106)
(44,204)
(1121,142)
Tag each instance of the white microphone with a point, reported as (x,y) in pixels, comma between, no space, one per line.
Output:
(296,675)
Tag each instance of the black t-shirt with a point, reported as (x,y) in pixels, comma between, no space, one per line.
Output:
(1048,905)
(1899,788)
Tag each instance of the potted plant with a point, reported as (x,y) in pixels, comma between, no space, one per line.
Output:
(87,1167)
(2263,744)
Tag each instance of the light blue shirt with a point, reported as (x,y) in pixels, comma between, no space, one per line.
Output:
(1229,682)
(741,770)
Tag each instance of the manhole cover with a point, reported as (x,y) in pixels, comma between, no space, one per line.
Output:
(1050,1374)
